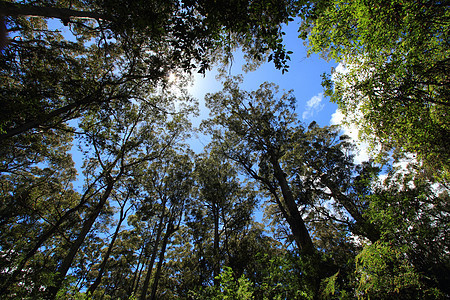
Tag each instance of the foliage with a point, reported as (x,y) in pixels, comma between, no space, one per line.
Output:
(395,86)
(116,46)
(147,218)
(383,271)
(412,215)
(230,288)
(283,277)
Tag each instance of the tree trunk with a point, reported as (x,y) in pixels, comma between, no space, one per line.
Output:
(294,219)
(16,9)
(137,274)
(97,281)
(170,230)
(67,262)
(154,253)
(216,265)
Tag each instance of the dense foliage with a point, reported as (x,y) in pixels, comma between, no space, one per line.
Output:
(142,216)
(396,83)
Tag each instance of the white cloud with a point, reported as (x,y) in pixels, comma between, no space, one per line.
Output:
(312,106)
(340,69)
(362,148)
(338,118)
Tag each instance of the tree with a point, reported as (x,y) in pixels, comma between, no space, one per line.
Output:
(307,174)
(257,126)
(129,139)
(218,232)
(170,182)
(223,201)
(321,165)
(122,200)
(396,86)
(412,214)
(254,129)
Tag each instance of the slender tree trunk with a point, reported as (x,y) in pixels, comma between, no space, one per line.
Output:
(216,265)
(294,219)
(42,239)
(97,281)
(137,273)
(226,240)
(154,253)
(170,230)
(17,9)
(67,262)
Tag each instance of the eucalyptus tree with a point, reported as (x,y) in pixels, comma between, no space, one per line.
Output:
(218,233)
(308,173)
(167,193)
(121,198)
(256,132)
(224,202)
(323,172)
(260,131)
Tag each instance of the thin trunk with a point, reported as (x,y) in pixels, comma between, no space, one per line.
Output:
(17,9)
(216,265)
(170,230)
(97,281)
(137,273)
(294,219)
(226,235)
(154,253)
(362,226)
(67,262)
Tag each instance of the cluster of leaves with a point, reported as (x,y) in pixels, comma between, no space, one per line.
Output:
(396,85)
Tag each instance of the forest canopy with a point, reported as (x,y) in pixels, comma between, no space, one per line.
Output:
(152,219)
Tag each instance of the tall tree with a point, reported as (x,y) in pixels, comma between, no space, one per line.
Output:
(165,187)
(223,201)
(122,200)
(257,134)
(308,174)
(322,170)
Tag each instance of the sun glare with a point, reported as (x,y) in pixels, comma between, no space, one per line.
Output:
(172,77)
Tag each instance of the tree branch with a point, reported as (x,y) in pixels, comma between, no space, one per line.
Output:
(17,9)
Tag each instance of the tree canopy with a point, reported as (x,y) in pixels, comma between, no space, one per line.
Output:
(396,85)
(271,208)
